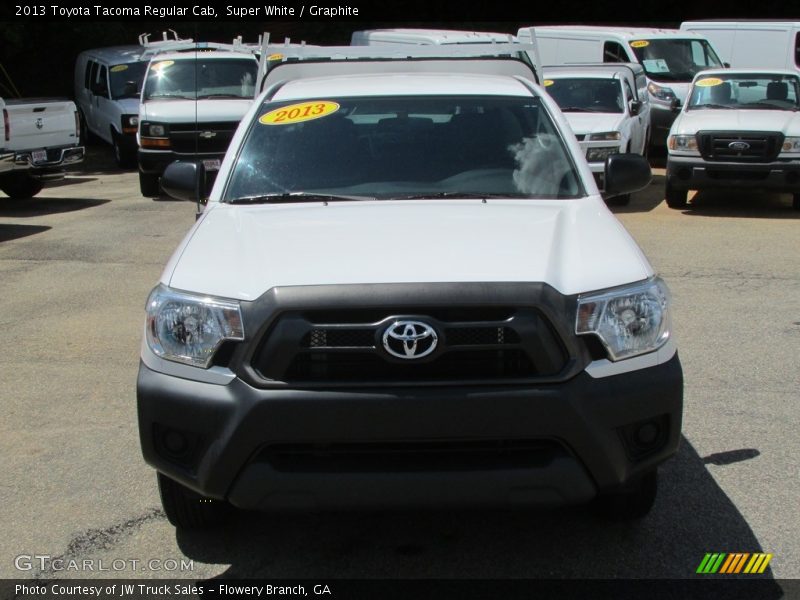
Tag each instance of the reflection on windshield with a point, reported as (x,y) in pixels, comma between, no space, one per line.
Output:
(752,91)
(402,147)
(675,59)
(586,94)
(201,78)
(126,79)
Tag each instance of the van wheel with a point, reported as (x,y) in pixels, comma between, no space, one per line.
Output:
(123,156)
(796,202)
(186,509)
(86,137)
(148,185)
(675,198)
(20,186)
(633,501)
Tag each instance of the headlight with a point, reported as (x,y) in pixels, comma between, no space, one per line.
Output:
(683,143)
(154,130)
(631,320)
(600,154)
(791,145)
(188,329)
(658,92)
(608,135)
(130,120)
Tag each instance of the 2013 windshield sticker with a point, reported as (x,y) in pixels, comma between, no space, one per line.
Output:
(709,82)
(640,44)
(118,68)
(296,113)
(161,65)
(548,82)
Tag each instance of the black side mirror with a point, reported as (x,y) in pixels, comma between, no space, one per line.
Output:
(626,173)
(185,180)
(635,106)
(675,105)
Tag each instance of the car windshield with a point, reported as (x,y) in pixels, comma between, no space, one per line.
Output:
(404,147)
(675,59)
(746,90)
(126,79)
(190,78)
(585,94)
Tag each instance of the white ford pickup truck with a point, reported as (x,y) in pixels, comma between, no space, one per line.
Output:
(738,129)
(406,290)
(40,139)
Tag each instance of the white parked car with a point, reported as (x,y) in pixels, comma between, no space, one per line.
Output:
(406,290)
(740,128)
(604,110)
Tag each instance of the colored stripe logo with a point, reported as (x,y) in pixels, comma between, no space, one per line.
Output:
(733,563)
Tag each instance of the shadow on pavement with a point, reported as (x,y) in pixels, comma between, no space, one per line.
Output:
(735,203)
(692,516)
(644,200)
(10,231)
(36,207)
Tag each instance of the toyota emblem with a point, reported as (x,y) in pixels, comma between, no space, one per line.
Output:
(409,339)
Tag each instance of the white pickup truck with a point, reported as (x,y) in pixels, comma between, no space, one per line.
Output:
(739,128)
(40,139)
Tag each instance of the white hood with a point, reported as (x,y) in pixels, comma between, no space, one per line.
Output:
(187,111)
(128,106)
(585,123)
(723,119)
(243,251)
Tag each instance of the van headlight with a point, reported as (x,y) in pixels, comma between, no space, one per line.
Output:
(629,320)
(660,92)
(187,328)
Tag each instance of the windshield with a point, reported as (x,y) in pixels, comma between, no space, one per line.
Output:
(201,78)
(126,79)
(575,94)
(747,90)
(404,147)
(675,60)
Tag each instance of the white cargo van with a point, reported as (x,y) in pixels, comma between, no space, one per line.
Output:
(108,82)
(753,44)
(671,58)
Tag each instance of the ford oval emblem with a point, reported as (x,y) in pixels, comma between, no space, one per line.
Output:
(409,339)
(739,146)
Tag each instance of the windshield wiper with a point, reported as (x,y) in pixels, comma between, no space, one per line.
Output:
(169,96)
(578,109)
(459,195)
(296,197)
(207,96)
(766,105)
(710,105)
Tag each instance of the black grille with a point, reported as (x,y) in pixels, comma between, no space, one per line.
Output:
(740,146)
(492,344)
(202,138)
(410,456)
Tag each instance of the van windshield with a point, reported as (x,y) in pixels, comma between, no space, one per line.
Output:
(746,90)
(126,79)
(197,79)
(586,94)
(675,59)
(404,147)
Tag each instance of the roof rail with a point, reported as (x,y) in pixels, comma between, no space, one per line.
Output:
(179,45)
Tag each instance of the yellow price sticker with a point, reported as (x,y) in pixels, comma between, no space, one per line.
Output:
(118,68)
(709,82)
(275,57)
(161,65)
(640,44)
(548,82)
(297,113)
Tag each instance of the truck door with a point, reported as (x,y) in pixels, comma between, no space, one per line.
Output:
(100,104)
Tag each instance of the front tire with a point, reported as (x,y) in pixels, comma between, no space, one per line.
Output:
(675,198)
(796,202)
(122,155)
(634,501)
(186,509)
(148,185)
(20,186)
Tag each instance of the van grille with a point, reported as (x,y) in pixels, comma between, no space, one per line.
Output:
(474,345)
(202,138)
(740,146)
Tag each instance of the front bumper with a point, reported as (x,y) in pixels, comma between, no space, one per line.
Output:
(398,447)
(695,173)
(154,162)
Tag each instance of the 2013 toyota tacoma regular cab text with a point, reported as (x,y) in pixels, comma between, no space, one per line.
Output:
(406,290)
(740,128)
